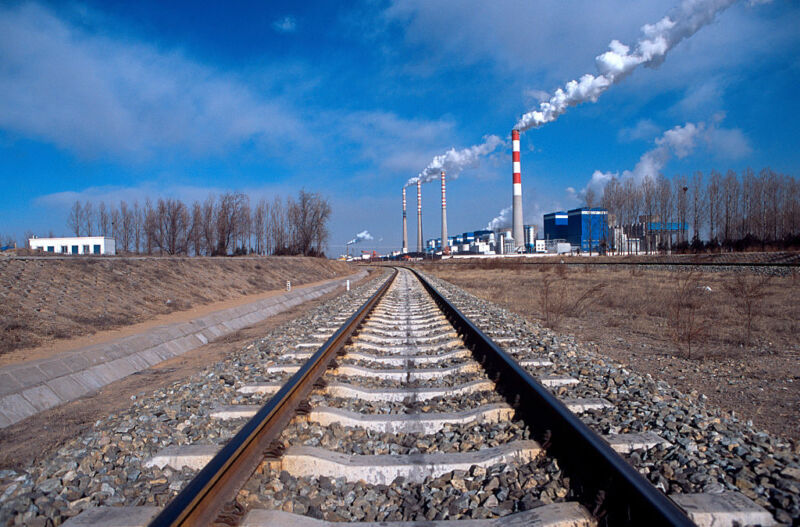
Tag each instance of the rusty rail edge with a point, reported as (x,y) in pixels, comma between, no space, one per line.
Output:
(599,477)
(217,484)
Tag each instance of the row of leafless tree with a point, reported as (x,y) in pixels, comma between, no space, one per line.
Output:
(721,209)
(220,225)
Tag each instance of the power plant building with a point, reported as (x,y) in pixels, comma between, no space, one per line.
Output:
(555,225)
(587,229)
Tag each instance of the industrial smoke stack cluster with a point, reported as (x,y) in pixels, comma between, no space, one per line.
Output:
(517,227)
(516,222)
(445,247)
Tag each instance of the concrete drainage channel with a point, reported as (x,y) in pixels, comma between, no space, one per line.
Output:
(29,388)
(405,425)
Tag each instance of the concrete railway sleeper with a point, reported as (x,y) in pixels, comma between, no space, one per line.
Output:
(408,413)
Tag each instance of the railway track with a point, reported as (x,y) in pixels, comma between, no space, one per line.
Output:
(409,412)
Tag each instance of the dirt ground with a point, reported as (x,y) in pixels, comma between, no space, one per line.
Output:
(689,329)
(47,300)
(40,435)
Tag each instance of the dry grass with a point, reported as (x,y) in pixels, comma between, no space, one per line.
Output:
(43,300)
(690,329)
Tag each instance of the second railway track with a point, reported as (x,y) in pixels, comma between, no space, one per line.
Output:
(409,413)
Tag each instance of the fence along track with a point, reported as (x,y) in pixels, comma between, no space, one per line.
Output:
(599,478)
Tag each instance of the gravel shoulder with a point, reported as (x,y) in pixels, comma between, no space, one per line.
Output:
(39,436)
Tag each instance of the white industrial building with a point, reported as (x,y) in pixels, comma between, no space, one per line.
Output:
(75,245)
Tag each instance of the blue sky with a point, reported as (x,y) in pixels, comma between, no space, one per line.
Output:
(123,100)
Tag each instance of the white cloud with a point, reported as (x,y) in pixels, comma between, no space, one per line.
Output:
(97,96)
(113,194)
(287,24)
(728,143)
(643,129)
(571,193)
(703,97)
(519,37)
(393,143)
(680,142)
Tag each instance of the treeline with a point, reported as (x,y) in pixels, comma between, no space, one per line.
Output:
(731,211)
(223,225)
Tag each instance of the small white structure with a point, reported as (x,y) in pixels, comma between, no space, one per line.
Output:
(75,245)
(541,246)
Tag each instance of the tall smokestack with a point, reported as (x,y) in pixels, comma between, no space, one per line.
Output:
(516,223)
(405,224)
(445,246)
(419,216)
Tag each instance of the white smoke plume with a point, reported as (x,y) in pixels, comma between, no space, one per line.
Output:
(617,63)
(679,141)
(454,161)
(360,237)
(501,220)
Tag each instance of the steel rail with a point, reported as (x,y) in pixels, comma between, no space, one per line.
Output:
(599,477)
(213,490)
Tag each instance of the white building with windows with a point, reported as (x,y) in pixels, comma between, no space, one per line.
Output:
(76,245)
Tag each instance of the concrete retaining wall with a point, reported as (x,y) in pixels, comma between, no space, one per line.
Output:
(31,387)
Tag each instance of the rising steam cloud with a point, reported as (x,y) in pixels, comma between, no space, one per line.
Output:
(619,61)
(501,220)
(679,141)
(360,237)
(454,161)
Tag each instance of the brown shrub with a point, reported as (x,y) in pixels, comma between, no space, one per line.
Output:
(685,319)
(747,293)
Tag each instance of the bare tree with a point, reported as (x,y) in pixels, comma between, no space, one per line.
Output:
(116,226)
(772,200)
(713,194)
(730,205)
(243,225)
(208,226)
(791,207)
(150,227)
(279,234)
(665,206)
(228,221)
(589,197)
(172,226)
(680,198)
(649,201)
(697,199)
(259,225)
(309,216)
(103,220)
(75,218)
(196,236)
(88,219)
(137,226)
(126,225)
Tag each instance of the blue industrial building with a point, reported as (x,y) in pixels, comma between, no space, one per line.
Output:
(587,229)
(555,226)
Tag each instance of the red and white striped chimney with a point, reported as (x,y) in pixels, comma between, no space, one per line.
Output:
(445,246)
(516,224)
(419,216)
(405,223)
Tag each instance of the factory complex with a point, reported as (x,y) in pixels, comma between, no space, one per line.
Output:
(584,230)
